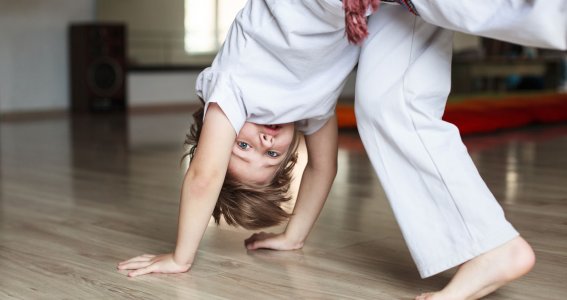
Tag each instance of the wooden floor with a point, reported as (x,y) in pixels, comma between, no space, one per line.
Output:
(77,196)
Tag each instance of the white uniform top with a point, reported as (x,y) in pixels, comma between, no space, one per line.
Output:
(282,61)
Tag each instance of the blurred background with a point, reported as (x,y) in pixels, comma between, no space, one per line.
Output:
(146,54)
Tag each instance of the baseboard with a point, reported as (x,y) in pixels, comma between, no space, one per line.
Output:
(135,110)
(164,108)
(33,115)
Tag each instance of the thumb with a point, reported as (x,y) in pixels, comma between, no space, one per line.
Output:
(258,244)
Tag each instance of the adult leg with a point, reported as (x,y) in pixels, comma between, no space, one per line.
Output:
(537,23)
(445,211)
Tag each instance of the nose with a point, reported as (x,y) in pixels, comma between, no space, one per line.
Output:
(267,140)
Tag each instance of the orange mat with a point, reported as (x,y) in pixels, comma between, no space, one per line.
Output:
(477,115)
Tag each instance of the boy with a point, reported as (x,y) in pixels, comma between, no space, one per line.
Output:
(283,63)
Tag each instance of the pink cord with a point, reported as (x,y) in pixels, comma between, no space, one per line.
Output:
(355,18)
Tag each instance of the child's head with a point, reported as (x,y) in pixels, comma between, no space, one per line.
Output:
(259,152)
(259,173)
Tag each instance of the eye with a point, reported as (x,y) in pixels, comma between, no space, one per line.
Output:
(272,154)
(243,145)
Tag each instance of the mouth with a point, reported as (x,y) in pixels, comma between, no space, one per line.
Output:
(272,129)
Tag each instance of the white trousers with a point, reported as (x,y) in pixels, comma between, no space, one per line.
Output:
(445,210)
(537,23)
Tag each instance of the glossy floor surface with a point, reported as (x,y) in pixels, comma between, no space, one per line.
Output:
(79,195)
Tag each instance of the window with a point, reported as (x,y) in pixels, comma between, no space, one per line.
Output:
(207,22)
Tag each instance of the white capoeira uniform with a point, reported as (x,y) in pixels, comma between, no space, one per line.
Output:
(287,61)
(282,62)
(445,211)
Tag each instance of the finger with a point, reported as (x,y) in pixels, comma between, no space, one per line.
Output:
(135,259)
(251,239)
(250,246)
(259,244)
(134,265)
(422,296)
(141,259)
(121,266)
(143,271)
(248,242)
(255,238)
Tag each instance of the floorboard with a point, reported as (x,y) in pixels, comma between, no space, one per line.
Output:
(77,195)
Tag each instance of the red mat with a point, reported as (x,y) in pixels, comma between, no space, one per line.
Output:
(478,115)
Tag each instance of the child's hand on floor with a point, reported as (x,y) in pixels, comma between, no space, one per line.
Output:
(267,240)
(145,264)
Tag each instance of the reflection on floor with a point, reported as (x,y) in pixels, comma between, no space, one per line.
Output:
(79,195)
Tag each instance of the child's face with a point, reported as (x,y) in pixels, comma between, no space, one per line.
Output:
(259,151)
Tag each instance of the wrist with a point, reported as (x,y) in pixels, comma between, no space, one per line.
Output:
(181,259)
(294,241)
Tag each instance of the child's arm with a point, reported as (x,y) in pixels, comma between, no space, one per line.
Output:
(200,191)
(318,177)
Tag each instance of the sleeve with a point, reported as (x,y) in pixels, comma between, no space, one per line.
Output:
(310,126)
(218,87)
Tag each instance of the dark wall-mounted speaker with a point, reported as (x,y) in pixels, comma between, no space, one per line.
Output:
(98,67)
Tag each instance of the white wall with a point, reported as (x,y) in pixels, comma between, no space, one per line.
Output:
(33,52)
(163,87)
(156,28)
(146,15)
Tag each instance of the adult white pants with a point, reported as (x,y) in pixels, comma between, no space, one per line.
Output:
(445,210)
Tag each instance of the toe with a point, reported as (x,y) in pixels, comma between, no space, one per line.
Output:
(424,296)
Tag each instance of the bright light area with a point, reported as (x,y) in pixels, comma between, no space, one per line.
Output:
(200,26)
(207,23)
(227,13)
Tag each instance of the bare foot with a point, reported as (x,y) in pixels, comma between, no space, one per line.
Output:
(486,273)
